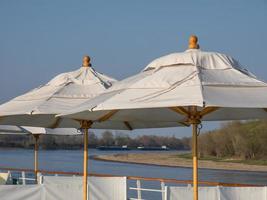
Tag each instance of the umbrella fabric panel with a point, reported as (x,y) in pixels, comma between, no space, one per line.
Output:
(82,76)
(63,131)
(114,125)
(164,78)
(132,115)
(43,121)
(15,107)
(235,97)
(173,85)
(29,120)
(196,57)
(62,92)
(39,106)
(228,77)
(144,98)
(57,105)
(191,78)
(6,129)
(225,114)
(182,85)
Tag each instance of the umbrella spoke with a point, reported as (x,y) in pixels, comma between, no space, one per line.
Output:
(180,110)
(184,123)
(127,124)
(107,116)
(57,122)
(207,110)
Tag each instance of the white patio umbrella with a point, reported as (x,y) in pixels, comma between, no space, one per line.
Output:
(36,132)
(191,86)
(39,107)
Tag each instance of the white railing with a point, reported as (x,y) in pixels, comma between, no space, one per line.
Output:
(139,190)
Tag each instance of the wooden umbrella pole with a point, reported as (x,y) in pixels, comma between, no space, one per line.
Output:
(195,160)
(36,147)
(194,120)
(85,164)
(85,125)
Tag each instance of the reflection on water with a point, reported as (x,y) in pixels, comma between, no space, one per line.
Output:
(71,160)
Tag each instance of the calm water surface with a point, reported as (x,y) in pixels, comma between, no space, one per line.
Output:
(71,160)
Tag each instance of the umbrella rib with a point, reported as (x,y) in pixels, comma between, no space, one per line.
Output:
(54,125)
(107,116)
(180,110)
(127,124)
(207,110)
(183,111)
(184,123)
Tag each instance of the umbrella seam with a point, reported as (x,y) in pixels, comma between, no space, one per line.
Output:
(199,75)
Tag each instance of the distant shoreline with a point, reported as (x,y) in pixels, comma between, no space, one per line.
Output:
(173,160)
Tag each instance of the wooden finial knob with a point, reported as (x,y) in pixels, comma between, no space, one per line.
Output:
(86,61)
(193,42)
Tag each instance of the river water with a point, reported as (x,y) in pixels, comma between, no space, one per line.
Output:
(71,160)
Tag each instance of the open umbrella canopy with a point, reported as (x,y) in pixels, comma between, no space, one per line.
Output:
(18,130)
(39,107)
(165,89)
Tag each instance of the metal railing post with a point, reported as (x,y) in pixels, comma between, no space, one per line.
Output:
(41,179)
(162,184)
(23,176)
(139,192)
(166,192)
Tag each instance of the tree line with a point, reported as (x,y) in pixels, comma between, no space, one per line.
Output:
(107,138)
(241,140)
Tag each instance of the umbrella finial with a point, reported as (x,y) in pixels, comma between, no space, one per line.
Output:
(193,42)
(86,61)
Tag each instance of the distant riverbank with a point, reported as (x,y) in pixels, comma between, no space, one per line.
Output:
(172,159)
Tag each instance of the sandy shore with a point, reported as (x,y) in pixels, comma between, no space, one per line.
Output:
(172,160)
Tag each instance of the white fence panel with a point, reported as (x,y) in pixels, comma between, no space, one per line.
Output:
(99,188)
(62,188)
(242,193)
(186,193)
(219,193)
(21,192)
(107,188)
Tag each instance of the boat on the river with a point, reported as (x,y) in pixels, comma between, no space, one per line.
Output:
(113,148)
(162,148)
(125,147)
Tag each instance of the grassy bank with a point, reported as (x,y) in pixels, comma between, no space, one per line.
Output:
(172,159)
(226,159)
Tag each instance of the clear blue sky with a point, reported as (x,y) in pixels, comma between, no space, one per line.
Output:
(41,38)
